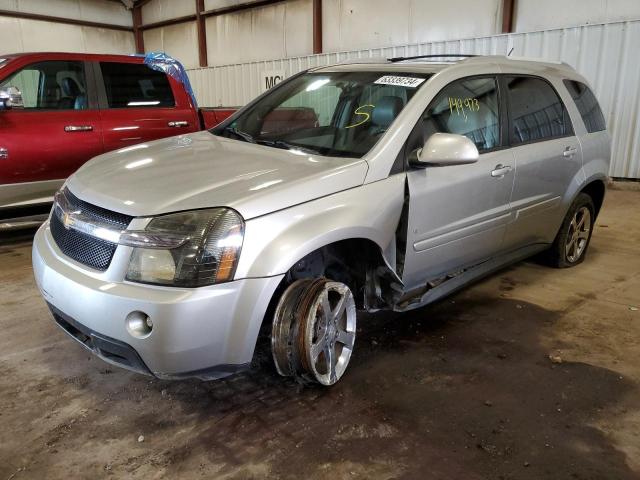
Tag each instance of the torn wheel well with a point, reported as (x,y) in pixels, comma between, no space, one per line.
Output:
(358,263)
(595,190)
(346,261)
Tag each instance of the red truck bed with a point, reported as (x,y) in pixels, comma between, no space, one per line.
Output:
(212,116)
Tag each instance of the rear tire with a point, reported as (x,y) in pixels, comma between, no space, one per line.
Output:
(572,241)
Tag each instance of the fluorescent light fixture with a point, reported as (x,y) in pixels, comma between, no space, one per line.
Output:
(230,241)
(133,147)
(317,84)
(265,185)
(119,129)
(112,236)
(296,151)
(143,103)
(139,163)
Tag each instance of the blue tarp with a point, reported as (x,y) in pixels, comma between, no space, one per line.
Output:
(164,63)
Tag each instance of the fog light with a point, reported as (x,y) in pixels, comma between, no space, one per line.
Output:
(139,324)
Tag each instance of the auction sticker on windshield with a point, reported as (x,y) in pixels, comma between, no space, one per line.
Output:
(410,82)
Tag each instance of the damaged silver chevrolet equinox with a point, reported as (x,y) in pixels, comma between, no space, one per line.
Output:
(370,186)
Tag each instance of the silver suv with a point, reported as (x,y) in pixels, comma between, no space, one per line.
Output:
(366,186)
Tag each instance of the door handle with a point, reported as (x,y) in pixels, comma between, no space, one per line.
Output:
(501,170)
(569,152)
(4,153)
(78,128)
(178,123)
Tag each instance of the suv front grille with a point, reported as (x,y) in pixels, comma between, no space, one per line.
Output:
(83,248)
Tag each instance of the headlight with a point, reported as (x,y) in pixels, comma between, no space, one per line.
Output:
(208,254)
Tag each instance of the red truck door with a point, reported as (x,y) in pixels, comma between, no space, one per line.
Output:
(139,104)
(57,130)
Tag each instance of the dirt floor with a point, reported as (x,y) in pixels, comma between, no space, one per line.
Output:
(533,373)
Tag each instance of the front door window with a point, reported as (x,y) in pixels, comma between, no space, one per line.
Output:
(52,85)
(466,107)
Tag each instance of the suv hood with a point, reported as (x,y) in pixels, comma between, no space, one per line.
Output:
(201,170)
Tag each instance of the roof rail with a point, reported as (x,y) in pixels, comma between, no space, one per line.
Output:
(441,55)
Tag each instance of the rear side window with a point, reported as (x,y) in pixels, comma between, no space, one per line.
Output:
(587,106)
(537,112)
(468,107)
(131,85)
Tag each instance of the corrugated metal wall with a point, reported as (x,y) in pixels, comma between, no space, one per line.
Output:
(605,54)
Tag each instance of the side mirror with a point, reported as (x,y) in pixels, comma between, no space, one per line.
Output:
(445,149)
(10,97)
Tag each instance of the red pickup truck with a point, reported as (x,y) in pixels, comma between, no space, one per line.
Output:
(58,110)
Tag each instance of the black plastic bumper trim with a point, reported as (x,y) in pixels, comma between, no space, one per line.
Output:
(109,349)
(124,355)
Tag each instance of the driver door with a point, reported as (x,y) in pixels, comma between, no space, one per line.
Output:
(55,133)
(458,214)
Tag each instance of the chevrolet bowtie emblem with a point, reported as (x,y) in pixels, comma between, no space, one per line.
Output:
(67,220)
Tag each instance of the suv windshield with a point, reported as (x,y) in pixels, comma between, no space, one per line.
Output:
(339,114)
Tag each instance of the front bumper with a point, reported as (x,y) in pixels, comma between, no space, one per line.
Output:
(207,332)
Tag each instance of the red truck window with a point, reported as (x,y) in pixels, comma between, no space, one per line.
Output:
(52,85)
(130,85)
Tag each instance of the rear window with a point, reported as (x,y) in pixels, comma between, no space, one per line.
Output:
(537,112)
(587,106)
(131,85)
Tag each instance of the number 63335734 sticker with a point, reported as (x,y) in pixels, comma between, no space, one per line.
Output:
(462,106)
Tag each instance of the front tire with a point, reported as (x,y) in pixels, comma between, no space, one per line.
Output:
(572,241)
(314,331)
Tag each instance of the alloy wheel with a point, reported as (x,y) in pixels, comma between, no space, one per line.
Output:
(578,234)
(314,330)
(329,333)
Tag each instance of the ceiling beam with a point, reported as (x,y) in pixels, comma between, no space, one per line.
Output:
(240,7)
(171,21)
(209,13)
(68,21)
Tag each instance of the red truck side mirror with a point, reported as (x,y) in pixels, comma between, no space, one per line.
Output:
(10,97)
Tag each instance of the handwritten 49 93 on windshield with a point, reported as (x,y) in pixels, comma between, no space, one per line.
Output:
(462,106)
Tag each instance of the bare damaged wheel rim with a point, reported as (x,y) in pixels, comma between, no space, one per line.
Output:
(578,234)
(330,333)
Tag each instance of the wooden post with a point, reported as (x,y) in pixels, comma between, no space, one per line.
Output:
(202,33)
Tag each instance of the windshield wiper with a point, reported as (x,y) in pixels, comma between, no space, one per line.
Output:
(240,134)
(269,143)
(286,146)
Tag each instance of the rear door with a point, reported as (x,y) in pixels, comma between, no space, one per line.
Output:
(139,104)
(458,214)
(55,132)
(594,138)
(548,158)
